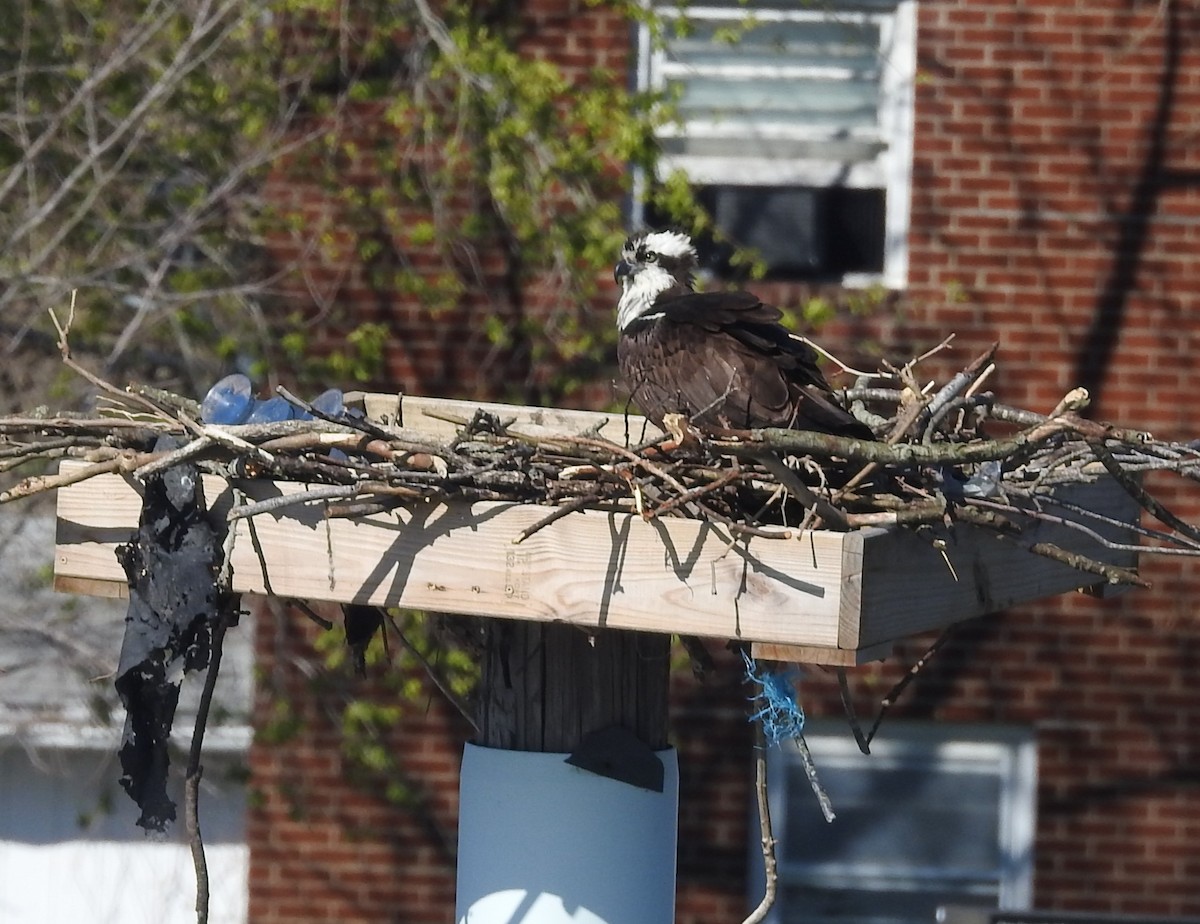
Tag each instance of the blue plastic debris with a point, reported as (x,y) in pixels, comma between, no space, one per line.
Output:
(779,710)
(272,410)
(228,402)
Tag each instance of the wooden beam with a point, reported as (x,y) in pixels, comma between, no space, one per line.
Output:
(911,583)
(593,569)
(812,654)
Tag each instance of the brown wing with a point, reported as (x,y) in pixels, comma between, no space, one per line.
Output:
(724,360)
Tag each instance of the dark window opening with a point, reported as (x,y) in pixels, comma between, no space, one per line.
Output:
(814,234)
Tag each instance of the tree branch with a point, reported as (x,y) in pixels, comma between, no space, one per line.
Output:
(767,836)
(226,617)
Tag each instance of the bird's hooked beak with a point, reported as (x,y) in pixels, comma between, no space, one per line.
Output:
(622,271)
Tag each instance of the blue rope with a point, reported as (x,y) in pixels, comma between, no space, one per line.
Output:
(780,713)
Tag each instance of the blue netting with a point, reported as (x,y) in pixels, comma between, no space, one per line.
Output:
(779,710)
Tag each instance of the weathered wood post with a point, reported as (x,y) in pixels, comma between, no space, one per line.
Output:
(569,799)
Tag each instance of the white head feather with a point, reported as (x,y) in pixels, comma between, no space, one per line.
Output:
(650,257)
(674,244)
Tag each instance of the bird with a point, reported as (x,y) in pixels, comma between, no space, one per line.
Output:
(721,359)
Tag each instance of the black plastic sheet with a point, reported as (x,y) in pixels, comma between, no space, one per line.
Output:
(174,601)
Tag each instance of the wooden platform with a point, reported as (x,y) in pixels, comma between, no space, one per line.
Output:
(838,598)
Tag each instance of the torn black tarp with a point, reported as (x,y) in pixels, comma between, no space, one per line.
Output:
(172,568)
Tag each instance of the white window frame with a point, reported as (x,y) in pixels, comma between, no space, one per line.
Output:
(1010,752)
(890,169)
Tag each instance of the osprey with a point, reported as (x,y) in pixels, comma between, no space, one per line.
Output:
(722,359)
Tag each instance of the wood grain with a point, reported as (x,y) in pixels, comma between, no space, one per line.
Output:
(812,654)
(910,586)
(546,686)
(589,569)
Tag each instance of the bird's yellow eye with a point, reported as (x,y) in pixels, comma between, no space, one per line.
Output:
(651,256)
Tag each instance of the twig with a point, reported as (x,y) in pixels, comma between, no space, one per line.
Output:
(36,484)
(225,438)
(361,424)
(1074,400)
(894,693)
(929,511)
(226,616)
(175,456)
(1069,458)
(844,367)
(702,661)
(315,493)
(860,739)
(901,454)
(954,388)
(607,446)
(111,426)
(29,455)
(1113,574)
(770,868)
(1190,546)
(728,477)
(835,518)
(931,351)
(814,781)
(166,399)
(971,515)
(743,529)
(308,611)
(905,421)
(972,392)
(1138,493)
(571,506)
(19,453)
(453,698)
(64,348)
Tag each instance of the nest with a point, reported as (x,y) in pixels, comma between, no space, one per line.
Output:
(943,455)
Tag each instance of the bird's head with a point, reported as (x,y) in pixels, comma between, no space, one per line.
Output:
(652,263)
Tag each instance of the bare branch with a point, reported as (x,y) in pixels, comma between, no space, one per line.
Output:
(767,835)
(225,617)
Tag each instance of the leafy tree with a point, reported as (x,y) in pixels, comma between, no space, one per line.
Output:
(147,148)
(132,137)
(156,159)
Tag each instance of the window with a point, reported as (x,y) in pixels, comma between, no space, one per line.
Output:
(68,836)
(811,109)
(934,816)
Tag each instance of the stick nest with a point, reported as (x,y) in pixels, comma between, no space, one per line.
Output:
(944,455)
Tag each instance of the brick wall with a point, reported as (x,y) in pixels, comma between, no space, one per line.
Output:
(1056,208)
(330,841)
